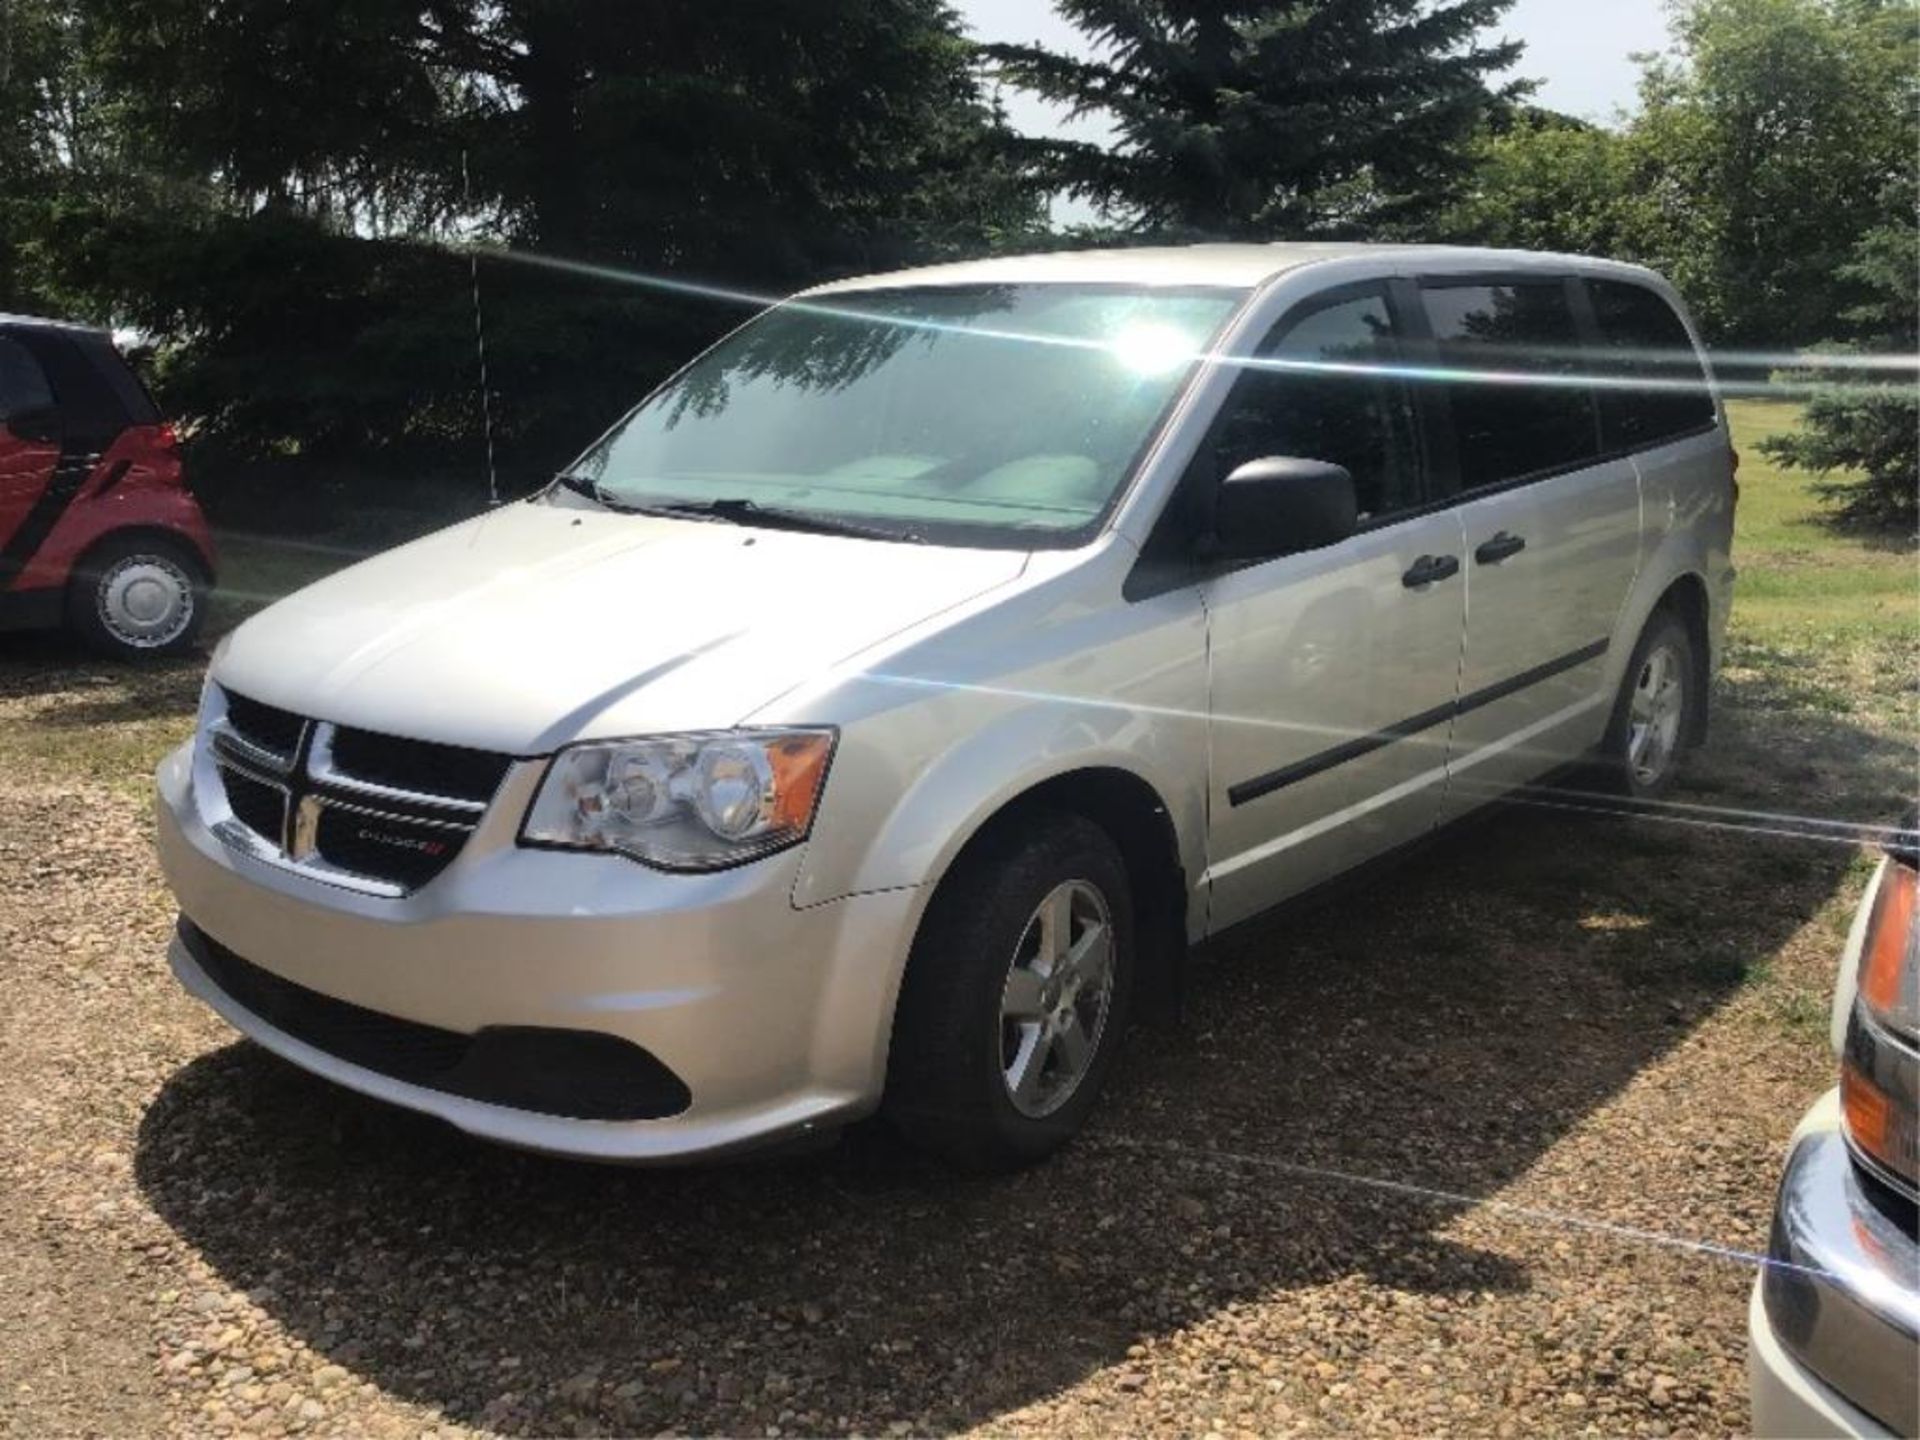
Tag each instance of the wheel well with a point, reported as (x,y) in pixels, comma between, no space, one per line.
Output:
(1686,598)
(160,535)
(1138,822)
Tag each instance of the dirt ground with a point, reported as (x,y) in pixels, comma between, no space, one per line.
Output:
(1485,1148)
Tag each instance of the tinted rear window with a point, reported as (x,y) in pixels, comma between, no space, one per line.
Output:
(1654,386)
(1520,402)
(121,380)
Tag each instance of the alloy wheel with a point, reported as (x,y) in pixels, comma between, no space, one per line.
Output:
(1655,715)
(1058,992)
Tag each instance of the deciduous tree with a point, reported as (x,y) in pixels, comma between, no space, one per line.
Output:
(1768,140)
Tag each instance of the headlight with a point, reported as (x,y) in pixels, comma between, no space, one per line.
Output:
(683,802)
(1880,1065)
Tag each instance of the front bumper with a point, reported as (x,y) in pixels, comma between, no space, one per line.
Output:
(1834,1321)
(777,1019)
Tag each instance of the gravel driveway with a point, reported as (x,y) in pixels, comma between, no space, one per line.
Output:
(1459,1154)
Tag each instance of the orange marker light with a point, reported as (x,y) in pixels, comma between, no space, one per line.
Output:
(1868,1114)
(1889,937)
(799,769)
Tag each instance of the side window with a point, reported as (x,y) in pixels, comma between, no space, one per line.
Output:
(1654,386)
(1327,386)
(23,385)
(1515,379)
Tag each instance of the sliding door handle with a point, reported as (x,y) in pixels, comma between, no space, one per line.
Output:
(1429,569)
(1501,547)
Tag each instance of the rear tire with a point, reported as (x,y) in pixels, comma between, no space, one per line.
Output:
(1652,724)
(1016,996)
(138,597)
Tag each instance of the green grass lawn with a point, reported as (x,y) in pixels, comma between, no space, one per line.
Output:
(1831,617)
(256,570)
(1797,572)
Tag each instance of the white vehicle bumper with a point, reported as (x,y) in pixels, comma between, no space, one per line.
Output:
(774,1019)
(1789,1401)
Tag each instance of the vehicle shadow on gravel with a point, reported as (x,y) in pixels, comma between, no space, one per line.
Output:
(1443,1027)
(84,690)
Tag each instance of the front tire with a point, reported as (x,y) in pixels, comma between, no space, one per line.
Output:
(1651,727)
(138,597)
(1016,996)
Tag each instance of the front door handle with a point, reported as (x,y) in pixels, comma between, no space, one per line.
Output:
(1501,547)
(1430,568)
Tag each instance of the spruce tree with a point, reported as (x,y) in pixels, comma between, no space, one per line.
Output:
(1270,119)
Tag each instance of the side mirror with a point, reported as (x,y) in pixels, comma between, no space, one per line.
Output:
(1279,505)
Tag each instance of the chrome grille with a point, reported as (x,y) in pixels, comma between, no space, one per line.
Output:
(344,805)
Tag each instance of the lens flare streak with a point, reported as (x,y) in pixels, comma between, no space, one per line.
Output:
(1530,1214)
(1794,362)
(1775,824)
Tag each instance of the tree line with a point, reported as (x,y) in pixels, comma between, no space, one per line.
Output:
(295,202)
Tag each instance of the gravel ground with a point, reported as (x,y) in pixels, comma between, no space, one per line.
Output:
(1442,1158)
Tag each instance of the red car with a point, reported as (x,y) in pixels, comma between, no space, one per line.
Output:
(97,529)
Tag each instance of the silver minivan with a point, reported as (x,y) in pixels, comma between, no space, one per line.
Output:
(877,714)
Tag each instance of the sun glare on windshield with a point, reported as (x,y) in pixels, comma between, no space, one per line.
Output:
(1153,349)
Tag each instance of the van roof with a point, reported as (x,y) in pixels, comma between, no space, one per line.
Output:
(1240,267)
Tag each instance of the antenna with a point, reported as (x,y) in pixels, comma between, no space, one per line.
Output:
(480,340)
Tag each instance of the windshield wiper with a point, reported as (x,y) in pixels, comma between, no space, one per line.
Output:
(734,511)
(591,489)
(740,511)
(581,485)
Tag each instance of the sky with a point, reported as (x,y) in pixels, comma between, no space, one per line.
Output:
(1578,49)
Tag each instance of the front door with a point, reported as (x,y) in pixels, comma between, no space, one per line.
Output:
(1332,673)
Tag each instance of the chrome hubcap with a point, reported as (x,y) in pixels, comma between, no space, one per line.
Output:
(145,601)
(1053,1009)
(1655,715)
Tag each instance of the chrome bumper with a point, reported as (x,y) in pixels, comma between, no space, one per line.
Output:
(1840,1296)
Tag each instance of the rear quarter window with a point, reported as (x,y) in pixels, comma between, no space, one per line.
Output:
(118,373)
(1653,386)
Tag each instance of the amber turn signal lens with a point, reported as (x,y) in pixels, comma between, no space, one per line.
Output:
(1889,937)
(1880,1127)
(799,769)
(1868,1114)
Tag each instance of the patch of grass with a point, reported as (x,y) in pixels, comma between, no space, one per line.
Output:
(90,721)
(1802,579)
(64,713)
(1802,1015)
(256,570)
(1826,620)
(1817,717)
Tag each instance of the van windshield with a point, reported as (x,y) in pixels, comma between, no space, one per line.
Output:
(992,415)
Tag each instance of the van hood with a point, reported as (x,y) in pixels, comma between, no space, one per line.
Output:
(539,624)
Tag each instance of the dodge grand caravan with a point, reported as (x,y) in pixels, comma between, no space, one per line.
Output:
(873,717)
